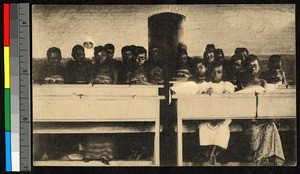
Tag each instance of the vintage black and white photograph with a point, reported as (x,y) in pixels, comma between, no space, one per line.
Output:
(164,85)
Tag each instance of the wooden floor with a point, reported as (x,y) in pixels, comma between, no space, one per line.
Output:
(229,164)
(92,163)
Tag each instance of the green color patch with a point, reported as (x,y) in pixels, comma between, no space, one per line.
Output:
(7,109)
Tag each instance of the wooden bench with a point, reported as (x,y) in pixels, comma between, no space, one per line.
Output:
(98,109)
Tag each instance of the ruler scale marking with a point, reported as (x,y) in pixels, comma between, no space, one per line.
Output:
(25,81)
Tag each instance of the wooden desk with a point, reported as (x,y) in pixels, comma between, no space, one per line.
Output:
(233,106)
(95,110)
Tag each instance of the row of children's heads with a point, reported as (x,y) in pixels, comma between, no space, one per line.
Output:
(212,54)
(101,53)
(216,70)
(250,64)
(134,54)
(138,54)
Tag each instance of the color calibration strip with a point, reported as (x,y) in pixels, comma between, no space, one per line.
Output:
(17,87)
(14,87)
(7,99)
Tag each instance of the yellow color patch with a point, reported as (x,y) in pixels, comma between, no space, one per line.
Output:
(6,68)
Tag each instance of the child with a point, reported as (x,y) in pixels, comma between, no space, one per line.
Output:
(103,71)
(275,74)
(243,52)
(219,55)
(264,139)
(249,75)
(78,70)
(199,73)
(53,72)
(118,66)
(209,53)
(185,66)
(215,134)
(128,56)
(155,66)
(138,74)
(234,68)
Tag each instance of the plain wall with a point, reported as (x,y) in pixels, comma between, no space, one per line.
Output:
(263,29)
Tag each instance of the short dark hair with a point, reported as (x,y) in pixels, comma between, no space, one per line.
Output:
(210,47)
(241,49)
(197,61)
(249,59)
(235,58)
(216,64)
(273,62)
(54,50)
(140,50)
(237,50)
(98,49)
(124,49)
(274,59)
(77,47)
(217,52)
(109,46)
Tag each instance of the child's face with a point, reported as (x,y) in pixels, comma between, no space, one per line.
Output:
(184,58)
(276,65)
(141,58)
(128,55)
(211,56)
(244,54)
(237,64)
(110,53)
(78,55)
(101,56)
(201,69)
(54,59)
(217,74)
(220,57)
(253,67)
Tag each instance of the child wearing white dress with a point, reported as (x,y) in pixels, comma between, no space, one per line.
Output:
(215,133)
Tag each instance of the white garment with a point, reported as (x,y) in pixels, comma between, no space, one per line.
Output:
(252,89)
(219,134)
(194,88)
(185,88)
(220,87)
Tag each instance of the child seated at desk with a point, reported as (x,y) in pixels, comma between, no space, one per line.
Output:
(234,68)
(156,64)
(138,74)
(184,65)
(250,73)
(78,70)
(275,74)
(53,72)
(263,136)
(103,71)
(214,134)
(199,73)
